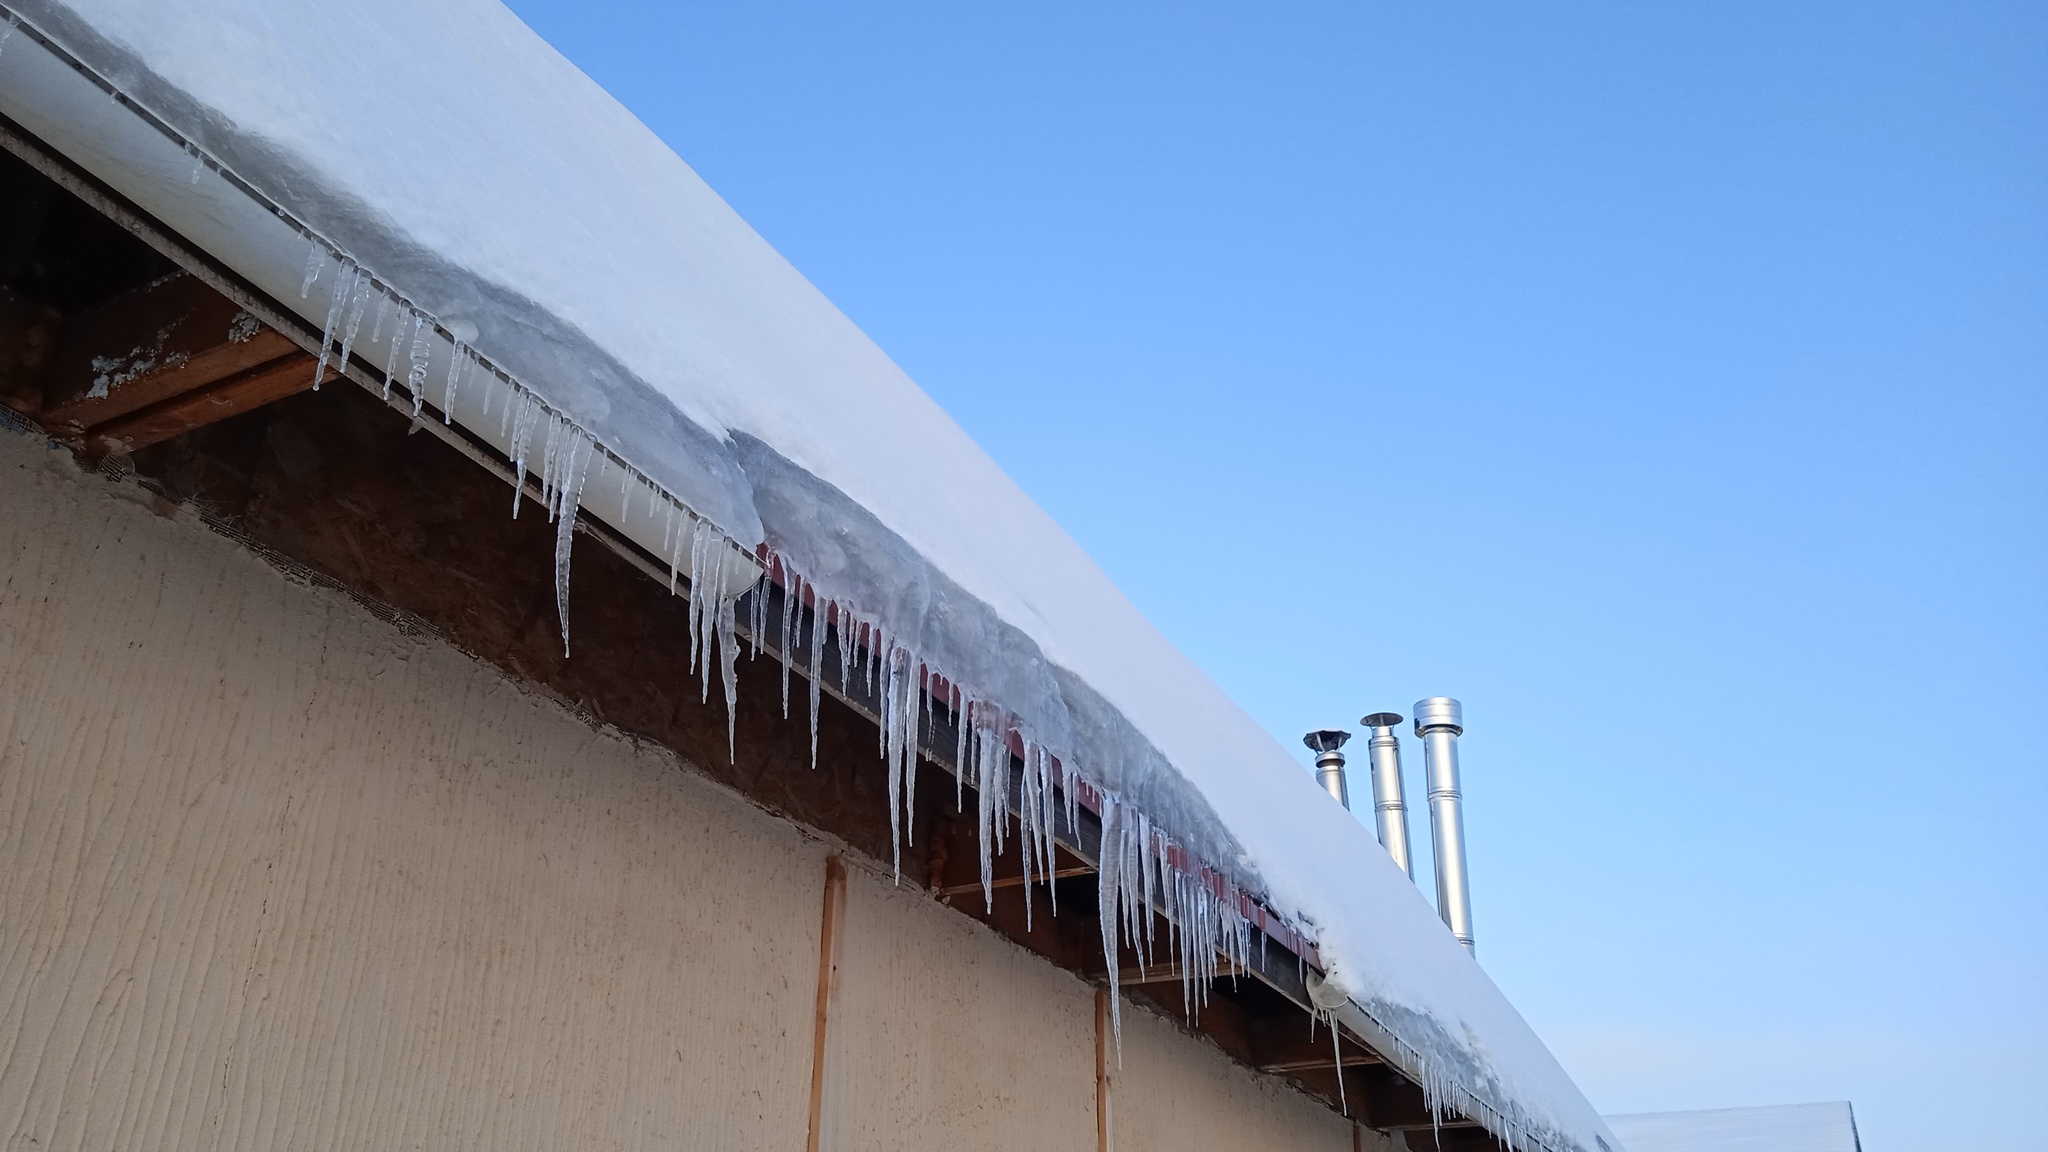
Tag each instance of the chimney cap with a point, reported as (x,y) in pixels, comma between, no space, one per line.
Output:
(1439,712)
(1382,720)
(1326,739)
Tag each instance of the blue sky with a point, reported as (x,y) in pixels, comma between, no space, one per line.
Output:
(1670,383)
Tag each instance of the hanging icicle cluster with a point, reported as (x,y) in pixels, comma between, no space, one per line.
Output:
(1140,872)
(541,442)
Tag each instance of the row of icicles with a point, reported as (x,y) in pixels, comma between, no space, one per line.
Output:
(1141,869)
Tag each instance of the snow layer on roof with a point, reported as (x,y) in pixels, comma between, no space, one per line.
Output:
(445,148)
(1829,1127)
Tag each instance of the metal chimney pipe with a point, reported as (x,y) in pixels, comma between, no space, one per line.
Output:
(1439,721)
(1325,742)
(1389,808)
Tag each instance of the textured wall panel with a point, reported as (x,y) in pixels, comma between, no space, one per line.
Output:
(1173,1093)
(944,1036)
(273,876)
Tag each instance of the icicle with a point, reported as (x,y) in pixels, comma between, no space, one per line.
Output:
(383,309)
(7,33)
(672,544)
(316,259)
(337,303)
(818,622)
(458,360)
(522,435)
(1108,888)
(1145,861)
(991,802)
(901,706)
(698,583)
(568,498)
(1027,830)
(885,733)
(1070,788)
(888,732)
(416,372)
(729,651)
(1050,806)
(792,616)
(846,632)
(397,346)
(714,623)
(920,701)
(359,299)
(198,158)
(758,616)
(960,707)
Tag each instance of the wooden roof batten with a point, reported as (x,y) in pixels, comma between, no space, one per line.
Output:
(222,348)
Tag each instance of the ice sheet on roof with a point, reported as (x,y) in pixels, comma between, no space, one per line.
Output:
(461,162)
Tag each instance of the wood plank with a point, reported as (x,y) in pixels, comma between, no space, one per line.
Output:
(951,890)
(1102,1027)
(282,377)
(1283,1044)
(28,337)
(1391,1103)
(828,963)
(147,345)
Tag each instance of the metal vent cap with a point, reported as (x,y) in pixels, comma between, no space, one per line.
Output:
(1439,712)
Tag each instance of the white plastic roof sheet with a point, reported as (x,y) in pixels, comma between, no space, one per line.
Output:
(455,156)
(1829,1127)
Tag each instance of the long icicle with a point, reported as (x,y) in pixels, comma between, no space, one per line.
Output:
(568,498)
(1108,889)
(819,623)
(345,283)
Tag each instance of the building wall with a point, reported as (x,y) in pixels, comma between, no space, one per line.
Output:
(275,875)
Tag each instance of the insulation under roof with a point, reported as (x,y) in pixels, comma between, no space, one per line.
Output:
(454,203)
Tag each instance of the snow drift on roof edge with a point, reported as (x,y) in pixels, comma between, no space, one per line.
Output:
(449,148)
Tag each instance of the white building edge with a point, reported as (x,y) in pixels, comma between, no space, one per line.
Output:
(467,222)
(1822,1127)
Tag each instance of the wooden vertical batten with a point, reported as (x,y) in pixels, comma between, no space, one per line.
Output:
(1102,1027)
(828,963)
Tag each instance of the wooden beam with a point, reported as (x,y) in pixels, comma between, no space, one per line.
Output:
(1391,1103)
(285,376)
(1135,977)
(1283,1044)
(828,965)
(146,346)
(951,890)
(1102,1017)
(1458,1137)
(28,338)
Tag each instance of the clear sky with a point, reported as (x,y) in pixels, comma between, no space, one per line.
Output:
(1668,382)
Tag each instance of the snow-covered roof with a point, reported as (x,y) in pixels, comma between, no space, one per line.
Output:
(1829,1127)
(435,186)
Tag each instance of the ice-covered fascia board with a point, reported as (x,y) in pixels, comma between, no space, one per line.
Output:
(434,186)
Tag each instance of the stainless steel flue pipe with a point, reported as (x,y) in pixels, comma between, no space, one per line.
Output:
(1327,743)
(1389,808)
(1439,721)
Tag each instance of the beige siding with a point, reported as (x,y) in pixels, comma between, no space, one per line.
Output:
(1171,1093)
(942,1037)
(275,876)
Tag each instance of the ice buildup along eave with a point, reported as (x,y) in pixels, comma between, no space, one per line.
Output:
(712,471)
(386,342)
